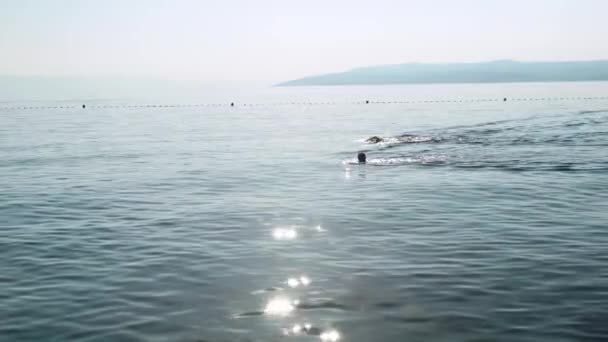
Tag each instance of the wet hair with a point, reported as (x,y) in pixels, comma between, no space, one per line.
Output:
(373,140)
(361,157)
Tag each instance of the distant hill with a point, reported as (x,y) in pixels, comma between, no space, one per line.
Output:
(486,72)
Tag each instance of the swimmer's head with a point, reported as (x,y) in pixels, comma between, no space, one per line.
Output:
(373,140)
(362,158)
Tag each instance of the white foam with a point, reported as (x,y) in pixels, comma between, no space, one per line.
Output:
(424,159)
(389,141)
(391,161)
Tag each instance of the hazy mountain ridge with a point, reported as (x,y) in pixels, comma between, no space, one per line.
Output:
(485,72)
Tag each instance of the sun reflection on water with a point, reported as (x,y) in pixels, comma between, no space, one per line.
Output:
(283,306)
(283,233)
(296,282)
(330,335)
(280,306)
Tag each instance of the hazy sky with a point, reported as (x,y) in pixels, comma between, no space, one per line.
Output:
(267,40)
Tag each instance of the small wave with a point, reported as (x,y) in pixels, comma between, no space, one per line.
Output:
(248,314)
(484,124)
(329,304)
(593,111)
(409,320)
(530,166)
(267,290)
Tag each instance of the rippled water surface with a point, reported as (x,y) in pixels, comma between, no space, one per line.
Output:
(249,223)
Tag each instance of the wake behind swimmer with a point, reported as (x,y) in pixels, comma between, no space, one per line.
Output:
(425,159)
(400,139)
(392,141)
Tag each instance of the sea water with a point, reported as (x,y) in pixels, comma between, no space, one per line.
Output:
(201,221)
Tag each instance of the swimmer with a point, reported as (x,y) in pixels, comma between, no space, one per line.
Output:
(400,139)
(373,140)
(361,157)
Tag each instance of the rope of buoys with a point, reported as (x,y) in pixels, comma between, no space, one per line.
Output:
(306,103)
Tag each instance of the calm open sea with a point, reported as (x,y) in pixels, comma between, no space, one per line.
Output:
(247,223)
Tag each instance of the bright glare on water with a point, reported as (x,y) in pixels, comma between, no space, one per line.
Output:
(470,221)
(284,233)
(280,306)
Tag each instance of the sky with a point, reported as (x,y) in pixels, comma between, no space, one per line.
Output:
(273,41)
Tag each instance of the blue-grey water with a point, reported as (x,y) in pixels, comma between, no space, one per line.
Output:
(248,223)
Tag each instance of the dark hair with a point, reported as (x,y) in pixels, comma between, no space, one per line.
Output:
(361,157)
